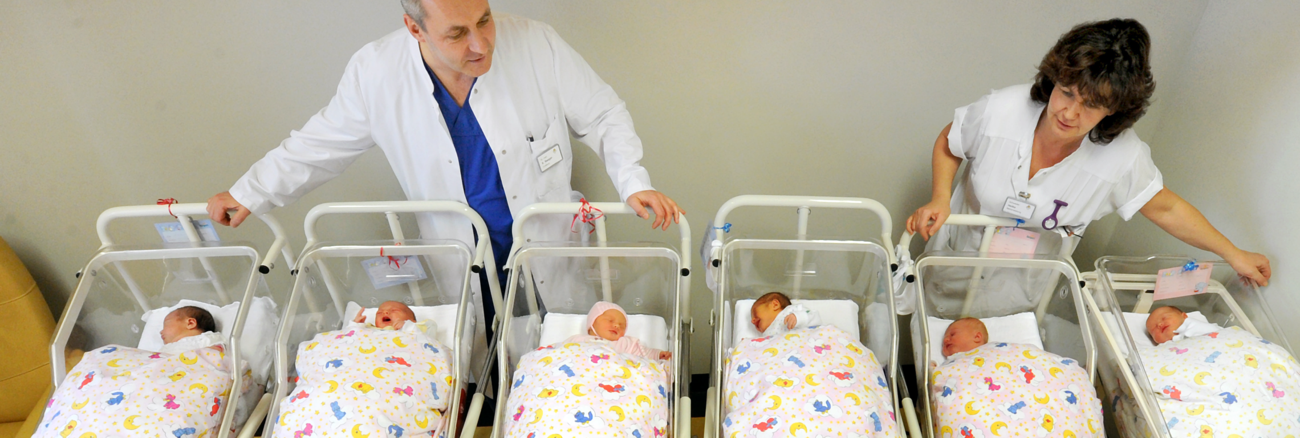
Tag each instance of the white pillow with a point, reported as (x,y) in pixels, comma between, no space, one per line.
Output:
(651,330)
(1021,328)
(1137,326)
(257,346)
(443,317)
(839,313)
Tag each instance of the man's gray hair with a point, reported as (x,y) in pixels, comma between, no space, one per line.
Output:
(414,8)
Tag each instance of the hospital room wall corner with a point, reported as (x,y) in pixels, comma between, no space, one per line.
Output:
(1227,143)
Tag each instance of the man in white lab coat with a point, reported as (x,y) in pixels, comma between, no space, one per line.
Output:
(469,107)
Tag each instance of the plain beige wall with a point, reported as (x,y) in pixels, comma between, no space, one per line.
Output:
(122,102)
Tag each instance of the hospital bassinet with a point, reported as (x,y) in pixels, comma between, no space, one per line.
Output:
(553,285)
(1022,298)
(436,284)
(122,283)
(1123,286)
(848,282)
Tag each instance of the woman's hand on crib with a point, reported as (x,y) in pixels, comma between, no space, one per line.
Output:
(665,355)
(1253,266)
(790,321)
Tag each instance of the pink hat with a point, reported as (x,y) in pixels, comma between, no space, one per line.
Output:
(599,309)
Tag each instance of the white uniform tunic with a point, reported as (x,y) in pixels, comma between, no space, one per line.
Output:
(995,136)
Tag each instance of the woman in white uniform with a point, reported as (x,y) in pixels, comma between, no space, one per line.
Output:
(1060,152)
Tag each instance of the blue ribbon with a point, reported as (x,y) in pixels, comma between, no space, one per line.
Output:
(1191,266)
(726,228)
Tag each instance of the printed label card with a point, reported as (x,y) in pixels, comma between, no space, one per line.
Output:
(1180,282)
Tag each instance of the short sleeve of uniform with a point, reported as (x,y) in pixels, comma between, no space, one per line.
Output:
(1139,185)
(968,125)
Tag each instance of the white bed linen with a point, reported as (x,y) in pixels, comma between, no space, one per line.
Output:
(842,314)
(255,346)
(443,318)
(1020,328)
(651,330)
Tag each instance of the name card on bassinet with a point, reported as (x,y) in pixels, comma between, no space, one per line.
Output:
(393,270)
(1179,282)
(1014,241)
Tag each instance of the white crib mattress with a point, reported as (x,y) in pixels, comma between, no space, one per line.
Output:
(839,313)
(443,317)
(1020,328)
(255,346)
(1137,326)
(651,330)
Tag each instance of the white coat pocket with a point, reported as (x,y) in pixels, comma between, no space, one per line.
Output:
(552,158)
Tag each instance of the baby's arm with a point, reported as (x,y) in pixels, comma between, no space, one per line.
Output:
(803,317)
(633,346)
(652,353)
(357,321)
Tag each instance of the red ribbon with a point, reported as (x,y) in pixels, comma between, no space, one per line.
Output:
(392,261)
(587,214)
(168,202)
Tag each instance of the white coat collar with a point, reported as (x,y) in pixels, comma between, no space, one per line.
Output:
(418,67)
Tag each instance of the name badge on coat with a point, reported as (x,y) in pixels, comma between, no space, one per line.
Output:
(1018,208)
(550,158)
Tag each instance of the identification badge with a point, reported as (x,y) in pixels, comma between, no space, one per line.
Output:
(393,270)
(1014,241)
(171,232)
(1018,208)
(550,158)
(1177,282)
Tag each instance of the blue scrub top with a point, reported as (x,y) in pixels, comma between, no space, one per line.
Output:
(478,172)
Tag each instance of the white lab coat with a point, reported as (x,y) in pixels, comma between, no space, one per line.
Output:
(538,87)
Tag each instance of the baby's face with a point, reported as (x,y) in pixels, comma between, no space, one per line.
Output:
(177,327)
(393,314)
(1162,323)
(962,336)
(762,315)
(610,326)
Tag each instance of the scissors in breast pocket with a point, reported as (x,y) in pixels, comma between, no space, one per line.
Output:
(1052,217)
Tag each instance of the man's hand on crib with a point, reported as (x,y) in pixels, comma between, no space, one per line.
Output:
(790,321)
(664,208)
(219,206)
(665,355)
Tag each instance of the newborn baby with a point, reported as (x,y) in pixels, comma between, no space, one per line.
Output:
(189,328)
(607,321)
(391,314)
(1169,323)
(964,335)
(774,306)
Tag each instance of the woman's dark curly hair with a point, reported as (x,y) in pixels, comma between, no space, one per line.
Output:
(1108,62)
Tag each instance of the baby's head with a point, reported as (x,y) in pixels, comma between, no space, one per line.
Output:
(766,308)
(963,335)
(393,314)
(1162,322)
(185,322)
(607,320)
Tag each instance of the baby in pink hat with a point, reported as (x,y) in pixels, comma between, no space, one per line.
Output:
(607,321)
